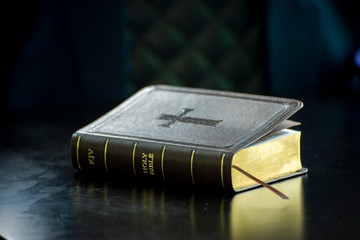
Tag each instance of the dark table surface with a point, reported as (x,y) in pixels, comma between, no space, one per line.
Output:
(42,196)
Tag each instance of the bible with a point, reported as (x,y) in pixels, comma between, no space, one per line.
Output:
(193,136)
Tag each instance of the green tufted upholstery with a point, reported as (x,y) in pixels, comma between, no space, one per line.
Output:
(209,44)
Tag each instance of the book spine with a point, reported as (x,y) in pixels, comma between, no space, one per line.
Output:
(151,161)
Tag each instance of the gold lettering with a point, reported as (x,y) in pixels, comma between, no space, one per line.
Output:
(147,163)
(151,164)
(144,160)
(91,157)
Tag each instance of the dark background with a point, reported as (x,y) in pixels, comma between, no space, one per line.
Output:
(68,62)
(85,53)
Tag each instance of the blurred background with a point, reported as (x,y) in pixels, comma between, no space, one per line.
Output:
(67,62)
(64,54)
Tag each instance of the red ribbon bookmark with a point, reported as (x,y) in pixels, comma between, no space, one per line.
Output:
(280,194)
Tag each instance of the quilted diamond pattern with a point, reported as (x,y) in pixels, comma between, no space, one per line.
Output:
(210,44)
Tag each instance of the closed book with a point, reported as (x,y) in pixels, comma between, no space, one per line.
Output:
(193,136)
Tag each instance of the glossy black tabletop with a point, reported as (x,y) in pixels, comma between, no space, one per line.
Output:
(43,197)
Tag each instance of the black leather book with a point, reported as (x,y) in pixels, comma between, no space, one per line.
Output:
(192,136)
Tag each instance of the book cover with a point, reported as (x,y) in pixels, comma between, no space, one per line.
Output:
(178,134)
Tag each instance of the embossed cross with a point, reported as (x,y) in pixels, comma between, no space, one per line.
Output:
(180,117)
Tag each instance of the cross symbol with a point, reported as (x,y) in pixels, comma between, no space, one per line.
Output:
(172,119)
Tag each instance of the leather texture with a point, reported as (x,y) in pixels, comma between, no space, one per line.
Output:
(135,139)
(244,117)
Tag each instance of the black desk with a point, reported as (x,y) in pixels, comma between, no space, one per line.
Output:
(41,196)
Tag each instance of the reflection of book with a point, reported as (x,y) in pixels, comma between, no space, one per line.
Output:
(259,214)
(192,136)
